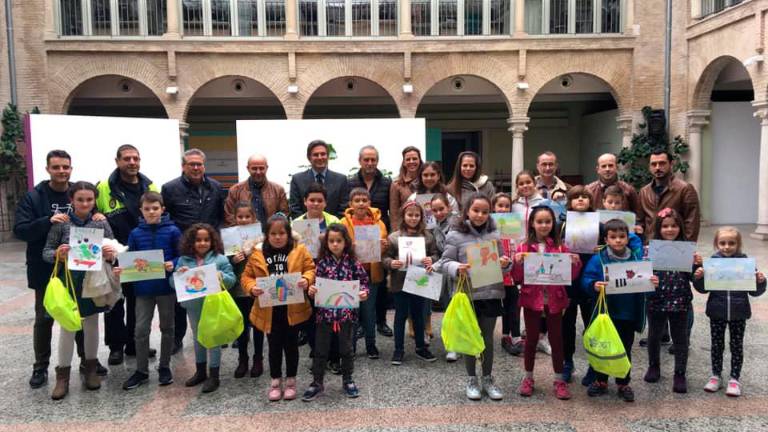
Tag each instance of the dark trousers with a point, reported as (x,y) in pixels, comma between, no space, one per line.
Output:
(737,329)
(678,328)
(324,338)
(408,306)
(626,330)
(310,327)
(689,317)
(569,324)
(284,339)
(245,304)
(382,301)
(510,321)
(180,328)
(533,321)
(120,323)
(487,326)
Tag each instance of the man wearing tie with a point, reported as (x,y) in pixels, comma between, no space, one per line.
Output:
(335,184)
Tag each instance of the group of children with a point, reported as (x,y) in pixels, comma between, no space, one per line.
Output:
(547,311)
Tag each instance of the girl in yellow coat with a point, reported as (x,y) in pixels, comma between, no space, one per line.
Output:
(280,254)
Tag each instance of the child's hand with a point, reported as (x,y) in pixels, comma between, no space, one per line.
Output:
(396,264)
(427,261)
(363,295)
(59,218)
(655,281)
(312,290)
(168,266)
(600,285)
(303,284)
(639,229)
(182,269)
(463,269)
(62,251)
(760,277)
(597,249)
(575,259)
(699,273)
(697,259)
(256,291)
(504,260)
(238,257)
(519,257)
(109,253)
(384,244)
(429,269)
(98,217)
(116,271)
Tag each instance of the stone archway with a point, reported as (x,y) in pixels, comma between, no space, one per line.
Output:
(115,96)
(350,97)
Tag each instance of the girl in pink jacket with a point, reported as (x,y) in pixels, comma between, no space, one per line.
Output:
(543,300)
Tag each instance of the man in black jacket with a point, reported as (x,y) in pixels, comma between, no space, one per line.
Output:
(335,184)
(43,206)
(370,178)
(192,198)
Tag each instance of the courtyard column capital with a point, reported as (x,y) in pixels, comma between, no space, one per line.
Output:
(697,119)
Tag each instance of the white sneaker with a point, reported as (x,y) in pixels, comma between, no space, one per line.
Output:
(543,346)
(713,385)
(473,389)
(491,389)
(734,388)
(451,357)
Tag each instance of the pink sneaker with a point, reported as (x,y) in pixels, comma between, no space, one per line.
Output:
(526,387)
(275,392)
(290,389)
(561,390)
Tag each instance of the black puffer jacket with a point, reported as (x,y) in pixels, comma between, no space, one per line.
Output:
(188,204)
(728,305)
(379,193)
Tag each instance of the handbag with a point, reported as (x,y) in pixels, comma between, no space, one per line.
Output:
(460,331)
(220,320)
(605,351)
(58,303)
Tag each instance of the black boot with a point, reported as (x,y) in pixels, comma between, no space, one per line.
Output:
(242,366)
(199,375)
(212,383)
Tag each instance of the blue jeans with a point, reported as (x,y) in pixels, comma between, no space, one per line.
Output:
(409,305)
(194,310)
(368,315)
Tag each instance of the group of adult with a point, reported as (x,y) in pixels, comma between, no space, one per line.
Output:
(195,197)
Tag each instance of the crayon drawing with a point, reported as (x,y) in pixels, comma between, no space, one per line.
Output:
(628,217)
(629,277)
(241,238)
(142,265)
(280,290)
(547,269)
(410,250)
(85,248)
(419,282)
(309,233)
(730,274)
(425,201)
(510,225)
(196,282)
(485,267)
(582,231)
(333,294)
(671,255)
(368,243)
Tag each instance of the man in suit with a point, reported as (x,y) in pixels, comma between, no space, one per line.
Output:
(335,184)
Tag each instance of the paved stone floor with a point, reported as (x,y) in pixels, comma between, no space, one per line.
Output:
(414,396)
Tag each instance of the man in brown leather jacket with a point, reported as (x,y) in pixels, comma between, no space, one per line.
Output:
(607,175)
(667,191)
(266,197)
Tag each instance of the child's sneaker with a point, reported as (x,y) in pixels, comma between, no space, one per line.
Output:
(543,346)
(290,389)
(526,387)
(473,391)
(397,358)
(350,389)
(653,374)
(165,377)
(561,390)
(451,357)
(680,384)
(713,384)
(135,380)
(626,393)
(734,388)
(589,377)
(275,391)
(425,355)
(597,388)
(567,370)
(493,392)
(313,391)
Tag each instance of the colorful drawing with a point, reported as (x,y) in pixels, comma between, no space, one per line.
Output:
(410,250)
(419,282)
(196,282)
(629,277)
(510,225)
(671,255)
(368,243)
(628,217)
(280,290)
(333,294)
(425,201)
(309,233)
(85,248)
(582,231)
(485,267)
(241,238)
(730,274)
(141,265)
(547,269)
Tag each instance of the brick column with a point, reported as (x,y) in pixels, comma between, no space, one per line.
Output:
(518,126)
(761,233)
(291,25)
(697,119)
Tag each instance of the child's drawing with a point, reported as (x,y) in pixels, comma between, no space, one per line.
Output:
(142,265)
(547,269)
(485,267)
(510,225)
(368,243)
(196,282)
(280,290)
(582,231)
(419,282)
(333,294)
(671,255)
(85,248)
(629,277)
(730,274)
(308,231)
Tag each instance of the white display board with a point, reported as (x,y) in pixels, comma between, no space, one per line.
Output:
(284,143)
(93,141)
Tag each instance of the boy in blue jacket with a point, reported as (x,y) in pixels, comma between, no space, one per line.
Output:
(627,311)
(155,231)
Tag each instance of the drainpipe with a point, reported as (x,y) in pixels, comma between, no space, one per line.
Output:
(11,50)
(667,62)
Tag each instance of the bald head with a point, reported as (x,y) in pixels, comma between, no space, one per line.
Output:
(257,168)
(607,168)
